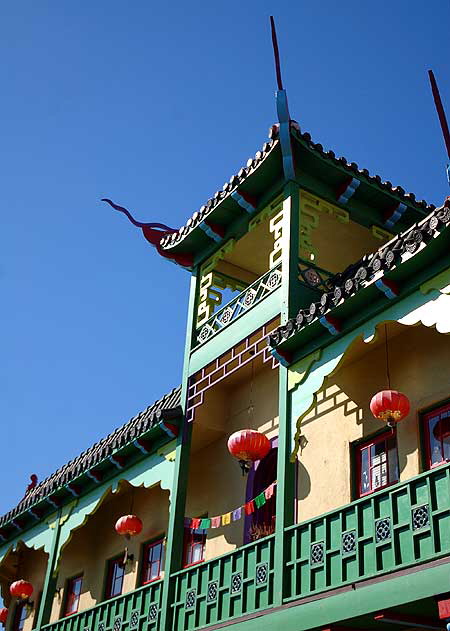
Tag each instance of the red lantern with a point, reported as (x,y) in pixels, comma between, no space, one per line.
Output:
(248,445)
(3,615)
(128,525)
(441,430)
(390,406)
(21,589)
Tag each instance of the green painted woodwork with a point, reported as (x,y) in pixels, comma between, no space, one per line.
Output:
(139,609)
(48,590)
(404,525)
(309,373)
(227,587)
(249,322)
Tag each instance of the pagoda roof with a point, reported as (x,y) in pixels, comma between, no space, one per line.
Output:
(264,172)
(98,462)
(392,271)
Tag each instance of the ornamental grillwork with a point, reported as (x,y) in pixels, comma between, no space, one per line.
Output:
(134,619)
(261,573)
(349,542)
(246,300)
(236,582)
(101,626)
(152,612)
(383,529)
(420,517)
(86,629)
(191,597)
(117,626)
(317,553)
(212,591)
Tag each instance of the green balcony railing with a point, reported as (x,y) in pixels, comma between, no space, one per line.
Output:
(401,526)
(232,585)
(138,610)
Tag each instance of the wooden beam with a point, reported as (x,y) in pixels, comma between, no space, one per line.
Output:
(407,620)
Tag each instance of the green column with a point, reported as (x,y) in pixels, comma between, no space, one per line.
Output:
(175,530)
(51,575)
(285,501)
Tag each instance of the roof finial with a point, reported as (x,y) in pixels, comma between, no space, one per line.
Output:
(284,118)
(276,53)
(442,117)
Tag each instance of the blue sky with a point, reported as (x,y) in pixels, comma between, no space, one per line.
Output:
(156,105)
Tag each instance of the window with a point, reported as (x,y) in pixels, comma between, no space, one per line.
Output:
(437,435)
(114,579)
(20,615)
(377,462)
(73,592)
(194,546)
(152,561)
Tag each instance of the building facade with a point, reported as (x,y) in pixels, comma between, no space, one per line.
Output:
(314,285)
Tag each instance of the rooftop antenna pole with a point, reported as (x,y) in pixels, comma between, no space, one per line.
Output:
(284,118)
(442,117)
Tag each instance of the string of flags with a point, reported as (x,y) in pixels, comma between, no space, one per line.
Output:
(203,523)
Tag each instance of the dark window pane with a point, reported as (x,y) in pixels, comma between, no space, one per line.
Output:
(365,471)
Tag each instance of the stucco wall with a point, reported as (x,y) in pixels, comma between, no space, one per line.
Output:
(216,484)
(96,542)
(419,367)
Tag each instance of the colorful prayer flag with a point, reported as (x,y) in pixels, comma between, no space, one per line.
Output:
(237,513)
(249,507)
(260,500)
(226,519)
(269,491)
(215,522)
(205,523)
(195,523)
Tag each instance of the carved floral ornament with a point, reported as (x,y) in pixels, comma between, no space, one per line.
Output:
(429,306)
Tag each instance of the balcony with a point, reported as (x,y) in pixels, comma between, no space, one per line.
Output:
(396,528)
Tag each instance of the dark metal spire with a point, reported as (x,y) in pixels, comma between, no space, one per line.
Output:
(442,117)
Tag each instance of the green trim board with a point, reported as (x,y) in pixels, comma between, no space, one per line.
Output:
(432,310)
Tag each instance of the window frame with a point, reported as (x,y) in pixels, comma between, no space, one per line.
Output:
(379,437)
(160,540)
(70,581)
(425,416)
(109,569)
(189,533)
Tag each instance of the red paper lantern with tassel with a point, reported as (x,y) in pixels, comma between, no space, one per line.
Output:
(390,406)
(3,615)
(248,445)
(21,589)
(128,525)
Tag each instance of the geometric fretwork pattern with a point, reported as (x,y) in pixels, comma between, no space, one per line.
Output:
(152,612)
(226,587)
(349,542)
(317,553)
(239,305)
(117,626)
(261,573)
(191,597)
(212,591)
(225,365)
(420,517)
(383,529)
(236,582)
(134,619)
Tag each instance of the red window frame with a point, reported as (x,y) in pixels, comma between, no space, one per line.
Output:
(20,615)
(436,414)
(152,557)
(73,593)
(367,446)
(194,540)
(115,567)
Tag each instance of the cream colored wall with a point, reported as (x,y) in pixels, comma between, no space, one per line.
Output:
(419,367)
(96,542)
(216,484)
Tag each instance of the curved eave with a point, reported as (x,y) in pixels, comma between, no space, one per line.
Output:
(222,210)
(373,193)
(318,325)
(19,520)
